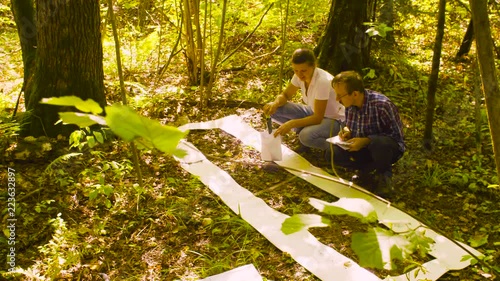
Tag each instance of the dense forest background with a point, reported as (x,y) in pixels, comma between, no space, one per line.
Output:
(84,213)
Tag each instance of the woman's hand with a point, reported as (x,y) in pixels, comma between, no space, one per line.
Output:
(284,128)
(270,108)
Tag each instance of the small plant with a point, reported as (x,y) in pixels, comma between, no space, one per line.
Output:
(100,192)
(123,121)
(377,29)
(60,253)
(82,137)
(376,248)
(44,205)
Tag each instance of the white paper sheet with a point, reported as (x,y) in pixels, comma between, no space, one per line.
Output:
(243,273)
(271,147)
(322,261)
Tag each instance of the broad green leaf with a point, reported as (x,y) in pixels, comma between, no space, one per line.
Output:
(129,125)
(85,106)
(99,137)
(355,207)
(478,240)
(81,119)
(378,247)
(298,222)
(420,242)
(91,141)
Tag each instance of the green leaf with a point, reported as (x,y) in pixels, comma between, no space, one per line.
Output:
(478,240)
(91,141)
(378,247)
(129,125)
(93,194)
(419,242)
(298,222)
(85,106)
(107,189)
(82,120)
(355,207)
(99,137)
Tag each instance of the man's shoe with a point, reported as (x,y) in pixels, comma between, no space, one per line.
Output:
(363,179)
(384,186)
(303,149)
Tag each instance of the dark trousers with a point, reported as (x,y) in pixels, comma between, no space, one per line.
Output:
(378,156)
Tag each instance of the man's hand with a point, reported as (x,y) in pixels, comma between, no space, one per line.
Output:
(270,108)
(358,143)
(284,128)
(345,134)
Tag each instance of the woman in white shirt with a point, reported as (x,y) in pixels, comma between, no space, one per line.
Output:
(312,120)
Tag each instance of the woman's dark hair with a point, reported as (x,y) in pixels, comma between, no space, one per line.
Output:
(304,56)
(352,80)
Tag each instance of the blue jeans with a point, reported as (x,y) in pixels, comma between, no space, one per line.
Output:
(378,156)
(313,136)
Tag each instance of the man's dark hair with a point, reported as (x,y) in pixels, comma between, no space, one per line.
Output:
(304,56)
(352,80)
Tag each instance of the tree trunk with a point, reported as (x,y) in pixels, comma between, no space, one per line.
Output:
(466,42)
(344,43)
(25,21)
(433,79)
(68,61)
(484,47)
(191,52)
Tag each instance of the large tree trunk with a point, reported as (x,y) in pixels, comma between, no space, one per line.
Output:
(484,47)
(433,79)
(68,61)
(24,17)
(344,44)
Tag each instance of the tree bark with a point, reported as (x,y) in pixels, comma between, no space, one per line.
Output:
(68,61)
(344,43)
(484,47)
(466,42)
(433,79)
(26,28)
(191,52)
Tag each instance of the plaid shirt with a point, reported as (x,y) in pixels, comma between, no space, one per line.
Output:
(377,116)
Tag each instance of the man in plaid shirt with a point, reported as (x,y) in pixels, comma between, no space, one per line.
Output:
(373,131)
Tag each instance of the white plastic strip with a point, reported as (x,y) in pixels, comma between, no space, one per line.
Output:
(448,255)
(243,273)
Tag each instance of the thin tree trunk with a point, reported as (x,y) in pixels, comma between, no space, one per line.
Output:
(68,61)
(466,42)
(208,92)
(478,95)
(191,52)
(433,79)
(484,47)
(122,91)
(283,43)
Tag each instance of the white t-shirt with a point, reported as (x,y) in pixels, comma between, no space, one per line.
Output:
(320,88)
